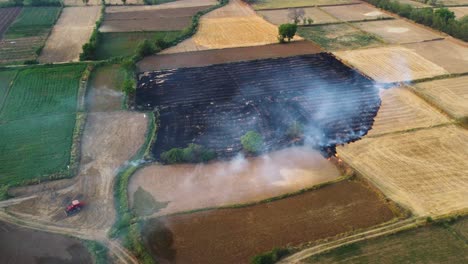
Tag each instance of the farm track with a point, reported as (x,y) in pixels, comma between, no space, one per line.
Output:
(390,228)
(7,16)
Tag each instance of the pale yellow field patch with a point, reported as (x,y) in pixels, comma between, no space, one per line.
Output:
(391,64)
(424,170)
(280,16)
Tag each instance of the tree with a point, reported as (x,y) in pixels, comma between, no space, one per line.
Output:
(444,14)
(124,1)
(286,31)
(85,2)
(145,48)
(252,142)
(310,21)
(175,155)
(296,14)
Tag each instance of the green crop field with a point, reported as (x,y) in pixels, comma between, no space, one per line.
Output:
(33,21)
(6,77)
(37,122)
(124,44)
(267,4)
(430,244)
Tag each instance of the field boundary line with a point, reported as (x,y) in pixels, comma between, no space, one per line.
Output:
(373,233)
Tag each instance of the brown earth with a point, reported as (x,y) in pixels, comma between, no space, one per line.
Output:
(460,11)
(445,53)
(7,16)
(453,2)
(217,56)
(73,29)
(103,152)
(174,4)
(236,235)
(105,89)
(451,95)
(188,187)
(150,20)
(280,16)
(398,31)
(22,245)
(390,64)
(425,170)
(414,3)
(355,12)
(20,49)
(234,25)
(402,110)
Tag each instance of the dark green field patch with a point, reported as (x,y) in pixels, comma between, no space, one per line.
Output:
(124,44)
(33,21)
(6,77)
(339,36)
(37,123)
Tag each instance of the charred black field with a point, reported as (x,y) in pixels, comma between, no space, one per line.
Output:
(215,106)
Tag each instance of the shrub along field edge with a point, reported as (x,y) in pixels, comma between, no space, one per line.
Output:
(89,49)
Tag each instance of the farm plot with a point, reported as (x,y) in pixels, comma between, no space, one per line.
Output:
(21,245)
(104,93)
(453,2)
(123,44)
(37,122)
(398,31)
(445,53)
(460,11)
(415,4)
(149,20)
(81,3)
(280,16)
(217,56)
(222,102)
(339,37)
(430,244)
(72,30)
(7,16)
(355,12)
(234,25)
(402,110)
(425,170)
(33,21)
(391,64)
(275,4)
(449,94)
(174,4)
(242,180)
(202,237)
(6,78)
(21,49)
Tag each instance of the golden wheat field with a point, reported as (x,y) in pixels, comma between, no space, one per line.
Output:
(424,170)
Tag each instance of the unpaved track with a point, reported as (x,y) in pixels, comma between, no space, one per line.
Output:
(109,140)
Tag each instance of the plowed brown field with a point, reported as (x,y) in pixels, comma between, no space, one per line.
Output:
(241,180)
(280,16)
(355,12)
(217,56)
(73,29)
(391,64)
(402,110)
(398,31)
(425,170)
(445,53)
(234,25)
(449,94)
(236,235)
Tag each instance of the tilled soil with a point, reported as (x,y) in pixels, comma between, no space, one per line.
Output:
(217,56)
(22,245)
(236,235)
(7,16)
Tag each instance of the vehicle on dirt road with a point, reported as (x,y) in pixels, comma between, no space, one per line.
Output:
(74,208)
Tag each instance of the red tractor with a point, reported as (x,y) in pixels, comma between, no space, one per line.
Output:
(74,207)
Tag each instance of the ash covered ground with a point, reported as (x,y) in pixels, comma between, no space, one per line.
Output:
(215,106)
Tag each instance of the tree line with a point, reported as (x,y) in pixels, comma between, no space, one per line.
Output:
(441,19)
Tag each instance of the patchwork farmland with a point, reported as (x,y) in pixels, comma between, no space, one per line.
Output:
(7,16)
(255,97)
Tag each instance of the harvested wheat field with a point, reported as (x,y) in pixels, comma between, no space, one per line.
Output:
(355,12)
(236,235)
(425,170)
(242,180)
(72,30)
(276,4)
(451,95)
(280,16)
(234,25)
(175,4)
(391,64)
(460,11)
(445,53)
(149,20)
(398,31)
(217,56)
(102,155)
(402,110)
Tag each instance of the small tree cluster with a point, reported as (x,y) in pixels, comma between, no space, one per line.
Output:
(145,48)
(193,153)
(270,257)
(286,31)
(252,142)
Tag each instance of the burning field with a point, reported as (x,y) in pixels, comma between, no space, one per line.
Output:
(236,235)
(220,103)
(242,180)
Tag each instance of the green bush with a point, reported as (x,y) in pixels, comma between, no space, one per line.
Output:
(175,155)
(145,48)
(270,257)
(252,142)
(286,31)
(193,153)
